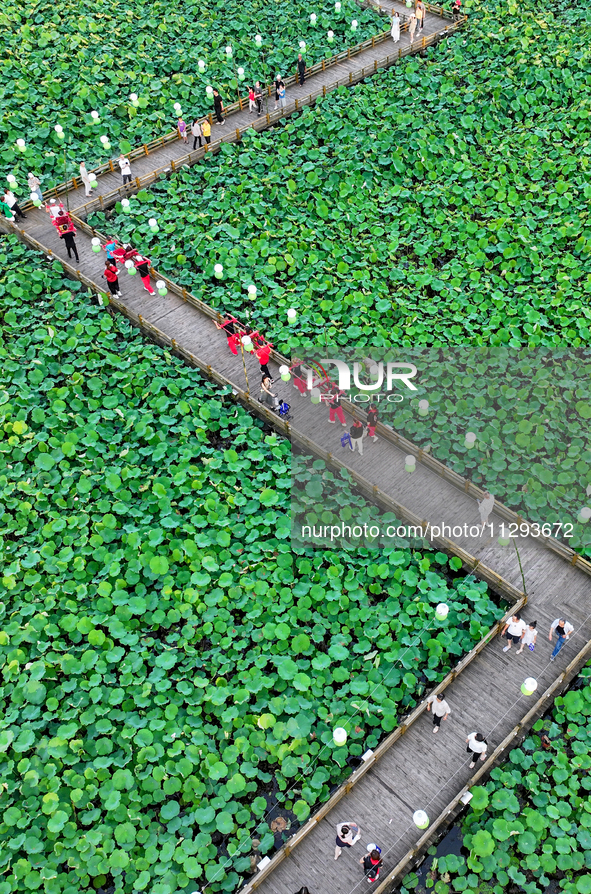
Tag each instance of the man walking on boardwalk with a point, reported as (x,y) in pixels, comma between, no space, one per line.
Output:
(440,708)
(301,69)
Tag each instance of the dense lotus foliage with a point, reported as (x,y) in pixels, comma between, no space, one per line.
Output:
(61,61)
(172,667)
(529,825)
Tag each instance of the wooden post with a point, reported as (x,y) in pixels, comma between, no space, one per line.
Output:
(210,119)
(184,294)
(324,89)
(373,41)
(323,66)
(111,168)
(296,105)
(137,182)
(423,43)
(172,164)
(238,133)
(375,64)
(146,150)
(350,77)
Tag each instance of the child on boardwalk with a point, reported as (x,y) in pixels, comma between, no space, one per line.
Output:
(528,637)
(182,130)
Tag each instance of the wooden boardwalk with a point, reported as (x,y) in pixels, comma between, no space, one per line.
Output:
(420,770)
(148,164)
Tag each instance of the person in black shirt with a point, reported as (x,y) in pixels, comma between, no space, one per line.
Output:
(218,106)
(335,408)
(357,436)
(372,421)
(278,83)
(372,863)
(301,69)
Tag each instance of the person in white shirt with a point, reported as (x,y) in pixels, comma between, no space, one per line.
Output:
(125,168)
(347,835)
(440,709)
(513,631)
(196,132)
(10,200)
(485,507)
(85,179)
(477,746)
(563,630)
(529,637)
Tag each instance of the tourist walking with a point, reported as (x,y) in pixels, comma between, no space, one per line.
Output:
(53,209)
(347,835)
(395,30)
(278,84)
(455,9)
(110,248)
(301,69)
(372,421)
(251,100)
(477,746)
(85,179)
(420,13)
(206,130)
(372,862)
(357,436)
(6,209)
(196,133)
(282,100)
(563,630)
(111,274)
(485,507)
(258,95)
(528,637)
(10,200)
(262,356)
(182,130)
(69,241)
(34,185)
(334,406)
(142,265)
(218,106)
(439,708)
(125,166)
(412,26)
(229,331)
(298,378)
(267,396)
(513,631)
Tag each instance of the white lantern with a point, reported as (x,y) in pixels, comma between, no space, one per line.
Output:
(420,819)
(229,52)
(35,200)
(133,99)
(218,271)
(161,286)
(130,268)
(354,24)
(209,90)
(21,145)
(470,440)
(292,315)
(504,540)
(258,40)
(312,18)
(442,611)
(410,463)
(315,395)
(423,407)
(153,224)
(330,36)
(177,107)
(247,343)
(59,132)
(92,179)
(252,292)
(339,736)
(584,515)
(95,117)
(11,179)
(337,6)
(240,73)
(284,373)
(104,139)
(529,686)
(302,45)
(96,244)
(201,65)
(125,206)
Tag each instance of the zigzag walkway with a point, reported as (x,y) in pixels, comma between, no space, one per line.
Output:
(346,68)
(419,770)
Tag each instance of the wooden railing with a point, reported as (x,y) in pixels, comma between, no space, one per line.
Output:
(258,124)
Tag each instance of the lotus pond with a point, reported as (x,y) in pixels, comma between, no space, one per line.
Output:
(61,62)
(172,667)
(528,827)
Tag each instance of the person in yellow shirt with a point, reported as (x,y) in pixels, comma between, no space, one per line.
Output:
(206,130)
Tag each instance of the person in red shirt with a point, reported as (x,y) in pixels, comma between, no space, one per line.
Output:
(263,355)
(372,421)
(334,406)
(142,265)
(230,333)
(111,274)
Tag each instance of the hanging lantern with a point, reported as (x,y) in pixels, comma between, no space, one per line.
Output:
(284,373)
(302,45)
(504,540)
(247,343)
(330,36)
(130,268)
(312,18)
(315,395)
(337,6)
(35,200)
(59,132)
(161,286)
(229,52)
(209,90)
(201,65)
(339,736)
(125,206)
(12,180)
(21,145)
(105,141)
(292,315)
(177,108)
(96,244)
(442,611)
(218,271)
(410,463)
(153,224)
(423,407)
(252,292)
(92,179)
(240,73)
(420,819)
(354,24)
(584,515)
(95,117)
(529,686)
(133,98)
(258,40)
(470,440)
